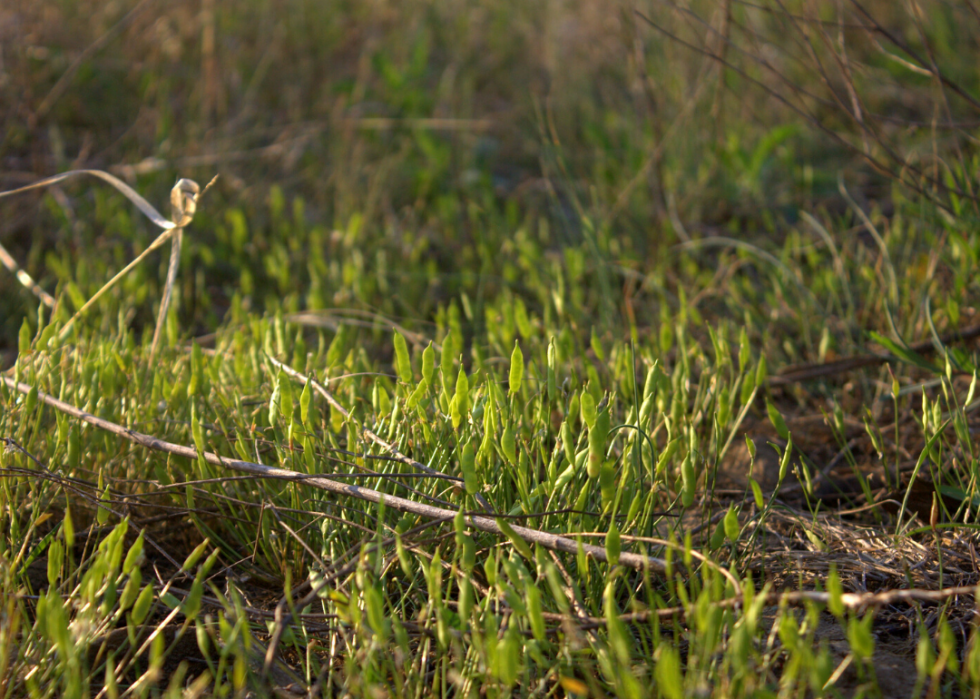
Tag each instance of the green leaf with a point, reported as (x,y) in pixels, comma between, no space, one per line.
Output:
(836,592)
(732,528)
(519,543)
(860,638)
(757,493)
(597,346)
(777,420)
(744,350)
(134,555)
(194,556)
(567,443)
(24,338)
(74,447)
(102,513)
(197,371)
(142,606)
(532,597)
(906,355)
(309,453)
(56,557)
(304,404)
(688,481)
(131,591)
(668,672)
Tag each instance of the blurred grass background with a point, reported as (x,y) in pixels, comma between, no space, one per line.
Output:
(429,143)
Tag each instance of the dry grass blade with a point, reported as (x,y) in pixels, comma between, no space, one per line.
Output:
(24,278)
(183,200)
(142,204)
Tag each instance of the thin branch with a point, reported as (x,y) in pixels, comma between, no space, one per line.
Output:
(479,522)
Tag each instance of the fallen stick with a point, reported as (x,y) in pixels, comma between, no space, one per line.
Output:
(479,522)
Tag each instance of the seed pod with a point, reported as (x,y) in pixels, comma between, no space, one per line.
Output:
(509,445)
(607,482)
(447,364)
(134,555)
(417,395)
(467,464)
(24,338)
(131,590)
(469,553)
(552,370)
(516,369)
(732,528)
(197,371)
(567,444)
(142,606)
(598,434)
(402,363)
(428,364)
(194,556)
(613,544)
(462,391)
(275,399)
(74,448)
(304,404)
(31,401)
(588,409)
(784,462)
(465,601)
(688,481)
(533,596)
(56,557)
(455,413)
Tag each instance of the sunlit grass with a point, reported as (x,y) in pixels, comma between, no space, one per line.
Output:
(595,352)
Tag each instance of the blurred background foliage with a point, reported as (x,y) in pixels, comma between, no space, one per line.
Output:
(393,156)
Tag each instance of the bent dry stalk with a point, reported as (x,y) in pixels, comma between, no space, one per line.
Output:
(183,201)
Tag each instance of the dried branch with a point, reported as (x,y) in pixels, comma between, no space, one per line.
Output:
(478,522)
